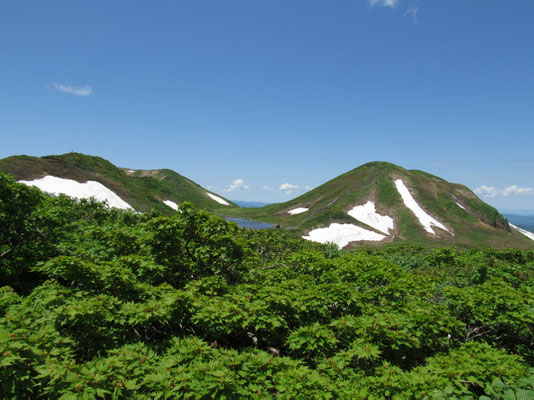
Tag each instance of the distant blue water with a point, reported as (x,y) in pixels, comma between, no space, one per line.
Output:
(248,223)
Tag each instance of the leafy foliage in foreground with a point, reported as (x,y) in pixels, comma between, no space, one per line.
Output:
(105,303)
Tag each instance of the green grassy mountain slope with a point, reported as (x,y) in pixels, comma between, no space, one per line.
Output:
(466,220)
(471,222)
(144,190)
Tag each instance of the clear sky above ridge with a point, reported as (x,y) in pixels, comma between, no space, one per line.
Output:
(261,100)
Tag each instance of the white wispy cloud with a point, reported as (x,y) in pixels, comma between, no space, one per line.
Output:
(512,190)
(412,12)
(384,3)
(237,184)
(288,186)
(486,191)
(75,90)
(268,188)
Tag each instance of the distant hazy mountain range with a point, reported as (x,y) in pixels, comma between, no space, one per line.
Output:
(375,204)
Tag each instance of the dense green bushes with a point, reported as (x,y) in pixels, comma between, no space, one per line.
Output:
(106,303)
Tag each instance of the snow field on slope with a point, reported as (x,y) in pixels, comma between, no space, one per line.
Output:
(459,205)
(528,234)
(342,234)
(367,214)
(218,199)
(298,210)
(425,219)
(171,204)
(71,188)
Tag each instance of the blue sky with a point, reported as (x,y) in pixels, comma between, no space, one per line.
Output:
(262,99)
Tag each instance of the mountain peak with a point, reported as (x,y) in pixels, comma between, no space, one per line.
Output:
(143,190)
(355,208)
(377,203)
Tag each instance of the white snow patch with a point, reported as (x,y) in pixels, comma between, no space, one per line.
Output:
(425,219)
(367,214)
(459,205)
(171,204)
(528,234)
(71,188)
(298,210)
(218,199)
(342,234)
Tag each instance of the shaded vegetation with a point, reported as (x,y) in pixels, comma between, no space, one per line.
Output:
(100,303)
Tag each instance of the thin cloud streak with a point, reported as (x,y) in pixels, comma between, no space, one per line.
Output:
(512,190)
(75,90)
(412,12)
(288,186)
(384,3)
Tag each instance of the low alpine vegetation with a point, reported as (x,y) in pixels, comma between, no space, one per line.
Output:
(106,303)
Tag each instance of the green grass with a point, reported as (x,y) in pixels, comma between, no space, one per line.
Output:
(146,190)
(387,193)
(143,191)
(375,181)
